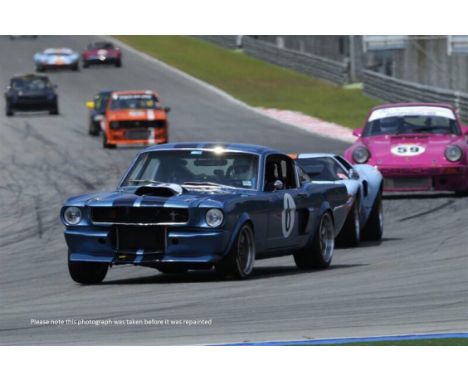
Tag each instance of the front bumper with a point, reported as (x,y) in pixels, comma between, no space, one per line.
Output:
(442,178)
(101,60)
(132,136)
(33,104)
(191,246)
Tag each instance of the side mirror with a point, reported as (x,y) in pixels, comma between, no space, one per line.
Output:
(357,132)
(167,109)
(278,185)
(353,174)
(464,130)
(90,104)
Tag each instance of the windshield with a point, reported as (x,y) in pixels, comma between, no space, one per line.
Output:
(30,83)
(322,168)
(414,120)
(100,45)
(134,101)
(195,168)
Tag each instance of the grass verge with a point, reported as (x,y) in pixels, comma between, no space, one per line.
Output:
(255,82)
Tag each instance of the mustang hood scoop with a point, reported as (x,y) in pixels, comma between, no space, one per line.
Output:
(166,190)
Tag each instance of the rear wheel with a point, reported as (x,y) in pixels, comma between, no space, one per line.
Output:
(87,272)
(85,64)
(319,253)
(350,234)
(39,69)
(76,67)
(118,63)
(9,111)
(240,260)
(373,230)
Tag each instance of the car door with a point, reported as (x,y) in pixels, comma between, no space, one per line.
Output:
(284,199)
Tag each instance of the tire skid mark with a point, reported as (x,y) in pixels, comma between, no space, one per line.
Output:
(427,212)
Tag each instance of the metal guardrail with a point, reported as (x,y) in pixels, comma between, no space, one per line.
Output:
(228,42)
(334,71)
(395,90)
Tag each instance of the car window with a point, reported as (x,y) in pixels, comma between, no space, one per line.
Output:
(279,167)
(227,168)
(411,124)
(323,168)
(134,101)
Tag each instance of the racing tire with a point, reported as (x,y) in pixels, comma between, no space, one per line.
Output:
(9,111)
(93,130)
(350,235)
(76,68)
(240,260)
(86,272)
(118,64)
(319,253)
(40,69)
(54,110)
(171,268)
(105,144)
(373,230)
(85,64)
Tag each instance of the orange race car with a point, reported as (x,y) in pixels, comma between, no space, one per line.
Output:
(134,118)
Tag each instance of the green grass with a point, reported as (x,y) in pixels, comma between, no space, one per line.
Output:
(431,342)
(256,82)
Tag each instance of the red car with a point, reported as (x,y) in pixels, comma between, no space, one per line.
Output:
(101,52)
(416,146)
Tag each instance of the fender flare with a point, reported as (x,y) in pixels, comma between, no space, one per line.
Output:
(243,218)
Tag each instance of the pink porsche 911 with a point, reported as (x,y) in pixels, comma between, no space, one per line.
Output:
(416,146)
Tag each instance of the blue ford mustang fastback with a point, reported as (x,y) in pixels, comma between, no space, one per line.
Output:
(188,206)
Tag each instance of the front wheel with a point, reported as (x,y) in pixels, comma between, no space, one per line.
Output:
(319,253)
(54,110)
(240,260)
(9,111)
(87,273)
(105,144)
(373,230)
(350,234)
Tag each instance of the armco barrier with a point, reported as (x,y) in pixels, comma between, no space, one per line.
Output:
(228,42)
(394,90)
(334,71)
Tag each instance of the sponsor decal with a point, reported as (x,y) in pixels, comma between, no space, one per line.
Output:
(288,216)
(407,150)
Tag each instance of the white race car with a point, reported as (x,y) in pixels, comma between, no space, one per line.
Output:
(62,58)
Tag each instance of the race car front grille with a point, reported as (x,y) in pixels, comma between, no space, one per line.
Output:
(139,215)
(138,124)
(131,239)
(408,183)
(138,134)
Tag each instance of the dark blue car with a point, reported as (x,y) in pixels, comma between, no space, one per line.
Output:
(197,205)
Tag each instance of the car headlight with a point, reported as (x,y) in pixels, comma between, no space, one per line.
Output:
(114,125)
(453,153)
(72,215)
(214,217)
(361,155)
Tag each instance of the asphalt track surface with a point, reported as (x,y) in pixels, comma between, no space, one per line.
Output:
(415,281)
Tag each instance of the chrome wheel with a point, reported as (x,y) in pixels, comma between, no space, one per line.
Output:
(245,250)
(327,238)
